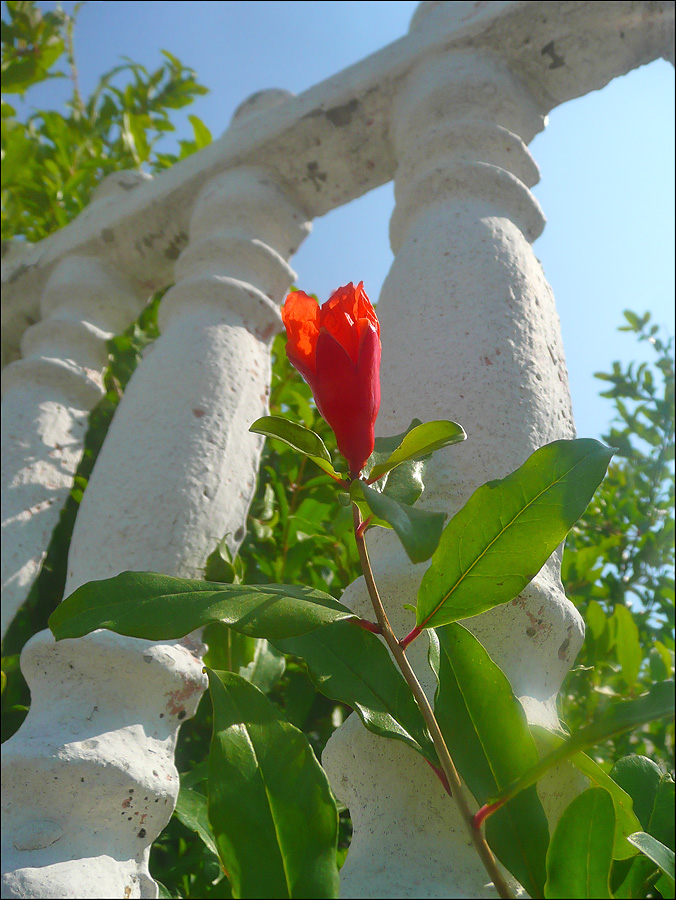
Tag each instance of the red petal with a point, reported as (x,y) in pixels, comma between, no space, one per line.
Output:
(300,315)
(348,395)
(337,316)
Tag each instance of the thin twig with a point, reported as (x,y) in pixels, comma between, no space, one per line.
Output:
(457,792)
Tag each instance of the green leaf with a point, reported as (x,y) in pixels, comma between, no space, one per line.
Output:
(296,436)
(661,827)
(228,649)
(384,447)
(191,810)
(486,731)
(405,482)
(349,664)
(622,716)
(660,662)
(270,805)
(655,850)
(417,529)
(665,886)
(599,628)
(626,821)
(628,646)
(640,778)
(420,441)
(661,823)
(162,892)
(201,132)
(266,668)
(196,775)
(507,530)
(159,607)
(580,852)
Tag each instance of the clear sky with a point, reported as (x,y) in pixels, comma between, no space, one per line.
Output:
(606,160)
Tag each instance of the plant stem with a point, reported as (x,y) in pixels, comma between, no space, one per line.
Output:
(447,764)
(70,53)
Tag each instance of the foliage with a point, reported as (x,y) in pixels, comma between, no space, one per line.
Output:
(618,574)
(618,564)
(478,715)
(51,163)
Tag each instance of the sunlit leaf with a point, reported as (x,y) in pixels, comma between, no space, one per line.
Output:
(507,530)
(418,530)
(662,856)
(159,607)
(420,441)
(352,665)
(621,716)
(191,810)
(626,821)
(486,731)
(297,436)
(580,852)
(270,806)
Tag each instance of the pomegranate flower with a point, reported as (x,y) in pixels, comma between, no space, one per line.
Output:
(336,348)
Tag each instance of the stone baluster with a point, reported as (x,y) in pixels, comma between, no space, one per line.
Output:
(470,333)
(46,399)
(91,777)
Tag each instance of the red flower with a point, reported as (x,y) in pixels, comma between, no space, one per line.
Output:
(336,348)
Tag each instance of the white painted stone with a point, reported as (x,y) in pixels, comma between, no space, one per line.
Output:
(332,143)
(46,399)
(469,333)
(176,473)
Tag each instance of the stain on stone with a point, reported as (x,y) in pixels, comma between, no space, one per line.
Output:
(142,833)
(317,177)
(18,272)
(174,248)
(342,115)
(107,235)
(557,61)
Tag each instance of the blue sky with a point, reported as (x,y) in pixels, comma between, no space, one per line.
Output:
(606,160)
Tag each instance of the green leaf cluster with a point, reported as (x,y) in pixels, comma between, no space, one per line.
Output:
(51,161)
(618,566)
(277,698)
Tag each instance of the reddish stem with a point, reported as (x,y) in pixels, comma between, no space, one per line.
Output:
(340,479)
(487,810)
(441,775)
(404,642)
(361,529)
(369,626)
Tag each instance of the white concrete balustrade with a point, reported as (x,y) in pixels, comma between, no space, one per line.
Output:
(447,111)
